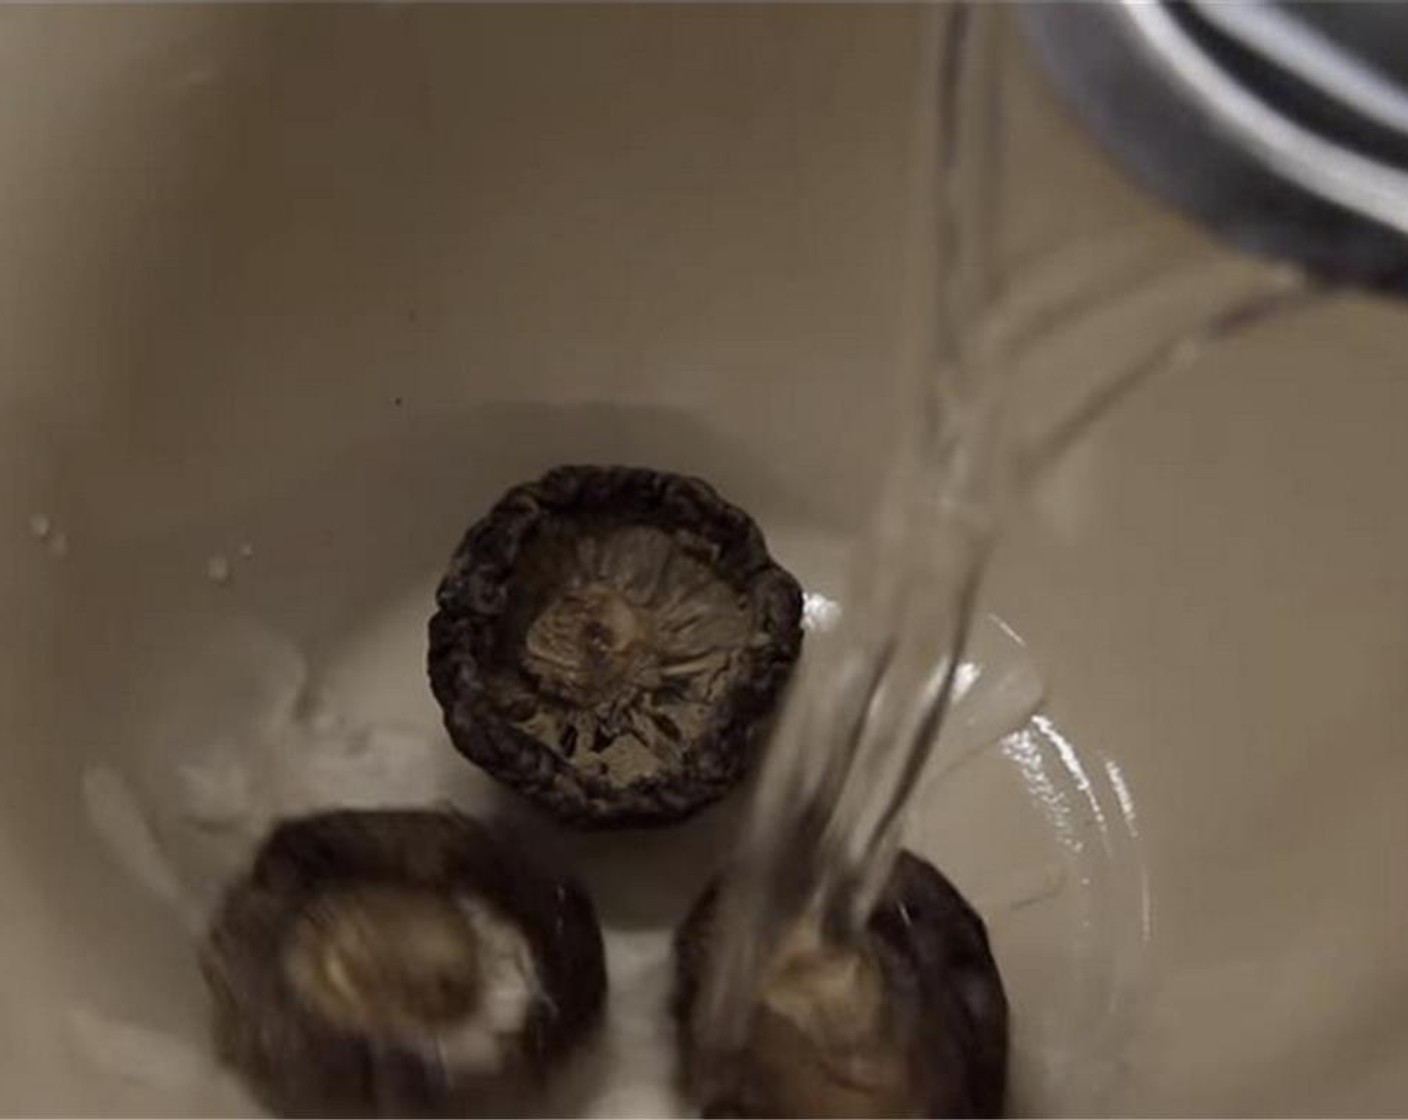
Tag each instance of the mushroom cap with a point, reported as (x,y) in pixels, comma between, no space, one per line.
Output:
(912,1022)
(398,963)
(609,641)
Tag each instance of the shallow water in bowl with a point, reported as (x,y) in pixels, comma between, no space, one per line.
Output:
(1040,833)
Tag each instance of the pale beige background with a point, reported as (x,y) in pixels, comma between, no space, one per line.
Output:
(260,272)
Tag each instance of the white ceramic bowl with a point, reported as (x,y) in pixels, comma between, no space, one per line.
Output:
(289,296)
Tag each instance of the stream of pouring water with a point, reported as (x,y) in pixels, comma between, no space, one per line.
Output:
(823,828)
(870,696)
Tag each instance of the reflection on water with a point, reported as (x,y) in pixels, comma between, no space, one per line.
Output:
(819,613)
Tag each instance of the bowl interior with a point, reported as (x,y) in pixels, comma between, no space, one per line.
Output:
(293,294)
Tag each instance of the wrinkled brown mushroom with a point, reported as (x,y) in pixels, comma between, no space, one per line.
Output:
(381,963)
(912,1022)
(609,642)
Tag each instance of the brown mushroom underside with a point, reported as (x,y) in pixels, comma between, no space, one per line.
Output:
(610,641)
(332,964)
(911,1023)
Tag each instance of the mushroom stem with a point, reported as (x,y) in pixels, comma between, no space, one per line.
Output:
(907,1019)
(397,958)
(822,1034)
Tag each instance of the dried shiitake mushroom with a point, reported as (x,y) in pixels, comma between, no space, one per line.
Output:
(912,1022)
(383,963)
(609,642)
